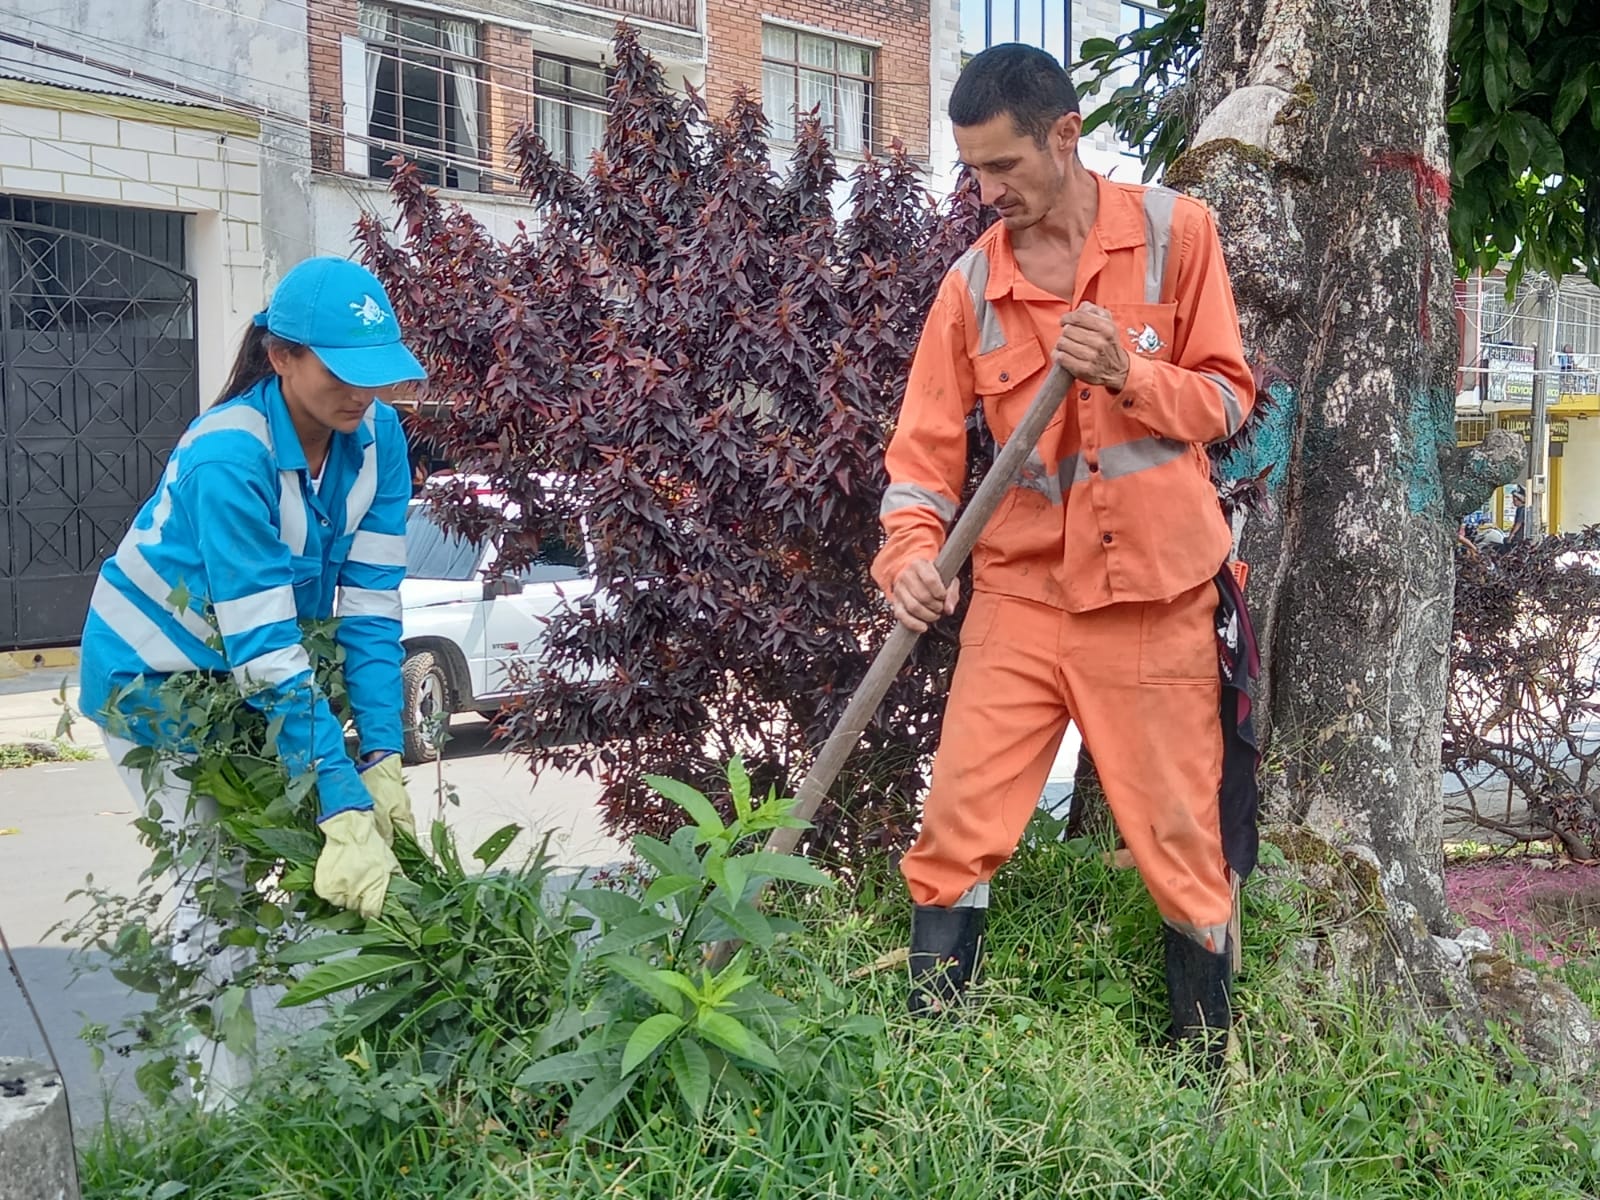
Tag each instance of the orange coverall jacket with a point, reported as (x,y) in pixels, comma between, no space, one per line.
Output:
(1116,503)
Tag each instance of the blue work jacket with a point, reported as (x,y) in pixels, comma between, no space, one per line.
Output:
(234,549)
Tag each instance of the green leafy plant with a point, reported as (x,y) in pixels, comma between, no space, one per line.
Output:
(1029,1096)
(663,1021)
(265,823)
(1524,110)
(501,982)
(1150,106)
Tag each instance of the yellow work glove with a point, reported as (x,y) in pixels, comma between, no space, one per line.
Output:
(391,806)
(355,864)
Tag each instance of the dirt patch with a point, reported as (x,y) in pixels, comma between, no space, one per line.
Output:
(1551,908)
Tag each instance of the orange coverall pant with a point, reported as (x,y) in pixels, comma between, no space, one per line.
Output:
(1140,679)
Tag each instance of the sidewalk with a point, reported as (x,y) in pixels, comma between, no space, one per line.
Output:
(29,708)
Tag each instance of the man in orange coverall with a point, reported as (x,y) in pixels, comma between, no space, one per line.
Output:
(1095,590)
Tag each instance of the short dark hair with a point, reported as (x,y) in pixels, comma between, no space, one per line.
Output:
(1021,80)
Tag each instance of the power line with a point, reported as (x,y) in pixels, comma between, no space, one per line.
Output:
(298,123)
(482,163)
(102,170)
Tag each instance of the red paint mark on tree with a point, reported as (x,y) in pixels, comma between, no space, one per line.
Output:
(1433,201)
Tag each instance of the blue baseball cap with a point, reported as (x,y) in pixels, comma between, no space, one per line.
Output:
(339,310)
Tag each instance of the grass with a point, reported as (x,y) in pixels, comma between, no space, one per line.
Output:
(1055,1084)
(26,754)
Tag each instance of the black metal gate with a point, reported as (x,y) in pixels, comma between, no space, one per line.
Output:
(97,383)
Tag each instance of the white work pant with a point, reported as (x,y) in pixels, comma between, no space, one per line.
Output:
(225,1070)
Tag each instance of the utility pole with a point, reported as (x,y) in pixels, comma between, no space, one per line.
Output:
(1539,425)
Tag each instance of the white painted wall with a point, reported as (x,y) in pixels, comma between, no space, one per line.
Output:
(337,203)
(250,52)
(944,18)
(92,157)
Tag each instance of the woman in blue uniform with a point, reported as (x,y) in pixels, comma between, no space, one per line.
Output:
(283,502)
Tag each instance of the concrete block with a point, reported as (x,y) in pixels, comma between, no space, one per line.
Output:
(244,178)
(36,1154)
(201,199)
(174,169)
(197,143)
(15,151)
(141,135)
(211,173)
(25,180)
(120,164)
(55,156)
(91,187)
(238,238)
(243,207)
(89,127)
(155,194)
(237,148)
(30,122)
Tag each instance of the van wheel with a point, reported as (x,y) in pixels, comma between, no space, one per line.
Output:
(426,686)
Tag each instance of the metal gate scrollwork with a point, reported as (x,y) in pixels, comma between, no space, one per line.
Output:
(97,382)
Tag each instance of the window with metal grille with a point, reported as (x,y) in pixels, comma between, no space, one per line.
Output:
(570,108)
(802,73)
(423,94)
(1131,19)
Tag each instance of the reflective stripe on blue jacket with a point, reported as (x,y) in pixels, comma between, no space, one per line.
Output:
(236,547)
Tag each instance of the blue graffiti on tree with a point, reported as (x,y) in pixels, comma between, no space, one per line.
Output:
(1430,431)
(1269,445)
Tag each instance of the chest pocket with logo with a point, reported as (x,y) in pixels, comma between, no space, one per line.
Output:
(1146,330)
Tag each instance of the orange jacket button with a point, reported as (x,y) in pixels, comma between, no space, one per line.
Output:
(1106,539)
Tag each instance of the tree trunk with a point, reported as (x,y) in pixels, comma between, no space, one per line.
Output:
(1321,147)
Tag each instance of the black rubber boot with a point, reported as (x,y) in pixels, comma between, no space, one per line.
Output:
(946,948)
(1198,984)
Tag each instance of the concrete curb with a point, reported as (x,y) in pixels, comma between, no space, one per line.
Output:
(36,1152)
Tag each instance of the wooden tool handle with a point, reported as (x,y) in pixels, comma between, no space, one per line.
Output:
(957,548)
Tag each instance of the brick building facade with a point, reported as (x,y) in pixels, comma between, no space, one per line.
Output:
(502,43)
(505,75)
(867,64)
(894,34)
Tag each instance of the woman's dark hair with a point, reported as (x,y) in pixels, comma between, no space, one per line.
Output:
(251,365)
(1021,80)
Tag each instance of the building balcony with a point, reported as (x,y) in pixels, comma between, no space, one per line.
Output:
(681,14)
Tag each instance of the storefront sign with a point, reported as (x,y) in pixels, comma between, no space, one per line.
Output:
(1508,372)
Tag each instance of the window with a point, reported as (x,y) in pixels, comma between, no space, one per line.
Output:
(802,72)
(421,95)
(570,108)
(556,561)
(1043,23)
(1137,16)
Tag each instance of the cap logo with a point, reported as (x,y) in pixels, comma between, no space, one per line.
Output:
(368,312)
